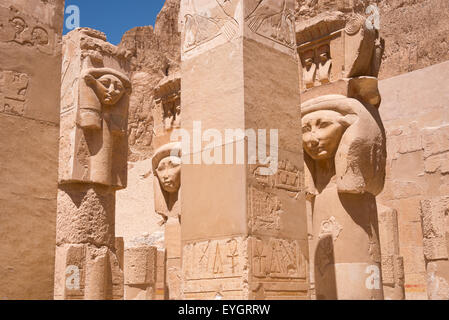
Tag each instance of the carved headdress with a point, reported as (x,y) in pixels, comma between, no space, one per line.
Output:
(168,150)
(343,78)
(361,156)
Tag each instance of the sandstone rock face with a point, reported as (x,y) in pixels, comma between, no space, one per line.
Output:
(30,73)
(416,32)
(157,56)
(156,62)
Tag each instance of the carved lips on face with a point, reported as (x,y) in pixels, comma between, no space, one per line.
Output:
(322,133)
(111,89)
(169,174)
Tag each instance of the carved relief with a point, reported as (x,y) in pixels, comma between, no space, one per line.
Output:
(278,258)
(266,211)
(272,19)
(24,30)
(215,259)
(168,102)
(333,46)
(330,227)
(317,64)
(13,90)
(201,27)
(287,177)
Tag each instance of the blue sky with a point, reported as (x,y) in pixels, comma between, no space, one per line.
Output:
(115,17)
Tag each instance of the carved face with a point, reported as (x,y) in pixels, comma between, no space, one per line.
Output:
(308,58)
(324,53)
(169,174)
(110,89)
(322,132)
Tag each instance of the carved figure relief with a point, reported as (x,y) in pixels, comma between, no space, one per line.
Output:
(103,118)
(272,19)
(13,90)
(201,27)
(330,227)
(317,64)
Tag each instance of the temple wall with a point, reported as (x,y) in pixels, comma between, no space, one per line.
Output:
(414,112)
(30,73)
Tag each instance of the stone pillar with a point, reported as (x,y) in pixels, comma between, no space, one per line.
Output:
(140,273)
(167,202)
(393,277)
(435,224)
(244,226)
(30,73)
(93,165)
(167,183)
(345,156)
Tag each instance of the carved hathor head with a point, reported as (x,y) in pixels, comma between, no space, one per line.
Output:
(167,167)
(343,129)
(109,85)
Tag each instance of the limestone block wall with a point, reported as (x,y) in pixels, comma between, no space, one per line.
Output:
(415,114)
(30,75)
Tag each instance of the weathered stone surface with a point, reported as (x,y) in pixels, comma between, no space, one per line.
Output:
(157,56)
(228,75)
(30,73)
(392,263)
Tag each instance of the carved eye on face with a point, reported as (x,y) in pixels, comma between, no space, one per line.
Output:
(306,128)
(324,124)
(106,82)
(112,89)
(168,173)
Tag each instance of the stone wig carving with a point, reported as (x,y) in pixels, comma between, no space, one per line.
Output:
(103,119)
(167,169)
(356,145)
(102,87)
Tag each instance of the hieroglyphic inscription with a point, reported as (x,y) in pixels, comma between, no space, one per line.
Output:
(214,259)
(278,258)
(287,177)
(266,210)
(25,31)
(13,90)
